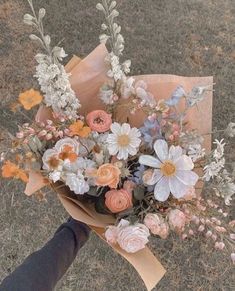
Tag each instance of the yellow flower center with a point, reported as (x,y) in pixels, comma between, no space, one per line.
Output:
(123,140)
(168,169)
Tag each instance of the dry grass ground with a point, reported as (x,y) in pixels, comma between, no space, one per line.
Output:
(185,37)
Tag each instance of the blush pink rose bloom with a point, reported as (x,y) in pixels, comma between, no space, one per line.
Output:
(111,234)
(177,220)
(157,225)
(130,238)
(99,120)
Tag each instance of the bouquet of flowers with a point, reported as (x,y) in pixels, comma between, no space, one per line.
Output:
(127,155)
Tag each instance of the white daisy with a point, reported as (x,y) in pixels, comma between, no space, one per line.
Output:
(123,141)
(173,171)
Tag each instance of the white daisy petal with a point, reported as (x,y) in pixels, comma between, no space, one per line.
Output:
(125,129)
(175,152)
(177,188)
(132,150)
(161,149)
(162,190)
(187,177)
(184,163)
(113,149)
(157,175)
(115,128)
(149,161)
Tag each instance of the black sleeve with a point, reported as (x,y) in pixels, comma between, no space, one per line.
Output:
(42,269)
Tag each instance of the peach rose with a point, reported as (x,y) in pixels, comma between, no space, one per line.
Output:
(133,238)
(157,225)
(108,175)
(177,220)
(118,200)
(99,120)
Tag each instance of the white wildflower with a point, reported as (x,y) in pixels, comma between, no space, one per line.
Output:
(230,130)
(219,151)
(211,170)
(172,171)
(54,82)
(196,152)
(197,95)
(77,183)
(106,95)
(123,141)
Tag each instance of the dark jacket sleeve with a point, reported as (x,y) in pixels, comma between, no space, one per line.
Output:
(42,269)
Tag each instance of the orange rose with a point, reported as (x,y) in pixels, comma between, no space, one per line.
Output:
(118,200)
(108,175)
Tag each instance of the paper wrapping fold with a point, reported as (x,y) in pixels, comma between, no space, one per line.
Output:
(87,76)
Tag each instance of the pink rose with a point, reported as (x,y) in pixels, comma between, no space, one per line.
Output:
(133,238)
(177,220)
(99,120)
(111,234)
(157,225)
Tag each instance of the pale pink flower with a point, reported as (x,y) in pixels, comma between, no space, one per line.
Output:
(219,246)
(111,234)
(177,220)
(133,238)
(156,225)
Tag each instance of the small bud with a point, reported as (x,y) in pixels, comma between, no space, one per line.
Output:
(42,13)
(100,7)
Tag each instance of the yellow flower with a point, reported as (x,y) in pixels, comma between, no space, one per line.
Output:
(78,128)
(30,98)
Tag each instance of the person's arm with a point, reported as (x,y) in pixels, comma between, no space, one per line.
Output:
(42,269)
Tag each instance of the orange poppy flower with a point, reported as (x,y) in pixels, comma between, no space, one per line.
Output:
(11,170)
(30,98)
(78,128)
(68,153)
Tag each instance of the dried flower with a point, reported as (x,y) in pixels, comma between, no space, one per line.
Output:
(30,98)
(157,225)
(177,220)
(78,128)
(11,170)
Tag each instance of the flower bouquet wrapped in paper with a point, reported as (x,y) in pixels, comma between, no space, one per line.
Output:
(129,156)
